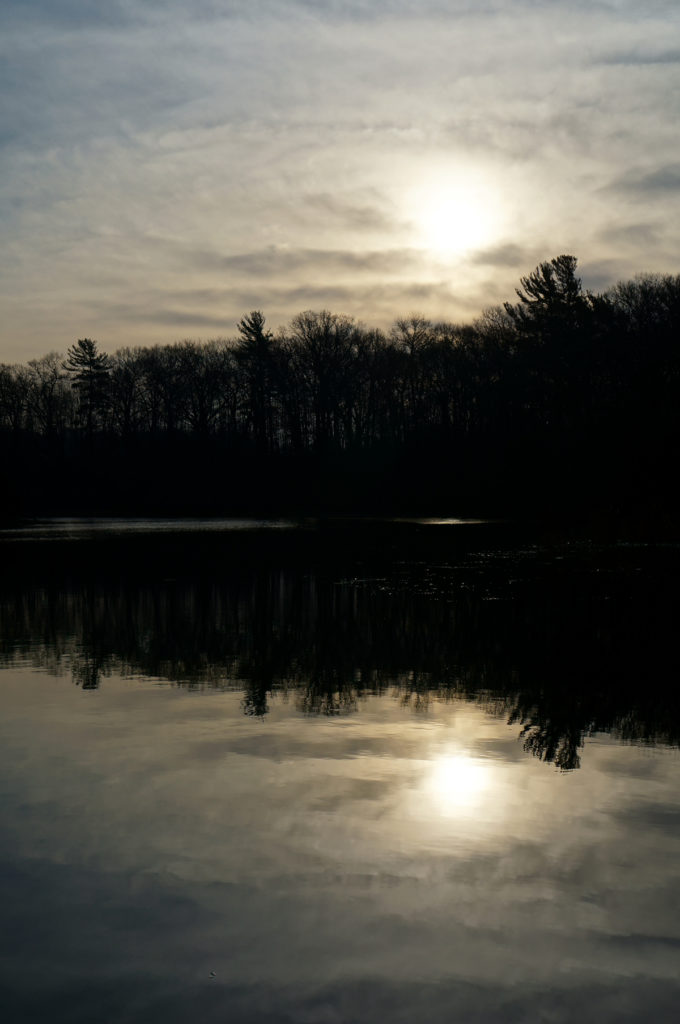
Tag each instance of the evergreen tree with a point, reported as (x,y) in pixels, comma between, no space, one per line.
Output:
(551,292)
(255,357)
(89,371)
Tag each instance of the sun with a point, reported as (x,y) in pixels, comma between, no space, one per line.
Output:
(452,217)
(452,224)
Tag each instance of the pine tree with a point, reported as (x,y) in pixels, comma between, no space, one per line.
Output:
(89,371)
(551,292)
(255,355)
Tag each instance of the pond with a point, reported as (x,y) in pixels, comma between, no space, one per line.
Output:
(337,772)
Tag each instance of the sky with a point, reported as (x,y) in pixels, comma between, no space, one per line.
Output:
(167,167)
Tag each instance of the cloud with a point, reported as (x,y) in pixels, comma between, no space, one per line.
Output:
(633,58)
(662,181)
(188,312)
(508,254)
(366,216)
(636,234)
(275,260)
(74,15)
(281,143)
(599,275)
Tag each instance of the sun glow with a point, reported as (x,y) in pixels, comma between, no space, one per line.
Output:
(459,782)
(454,218)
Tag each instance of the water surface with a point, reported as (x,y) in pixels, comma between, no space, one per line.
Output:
(381,775)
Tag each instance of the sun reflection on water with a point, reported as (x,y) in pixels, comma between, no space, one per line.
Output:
(459,782)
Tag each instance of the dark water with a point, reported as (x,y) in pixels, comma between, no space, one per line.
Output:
(337,773)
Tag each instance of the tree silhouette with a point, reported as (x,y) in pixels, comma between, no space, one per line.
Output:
(559,395)
(89,371)
(551,291)
(325,355)
(50,401)
(255,356)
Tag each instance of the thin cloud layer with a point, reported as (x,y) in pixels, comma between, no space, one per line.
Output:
(322,151)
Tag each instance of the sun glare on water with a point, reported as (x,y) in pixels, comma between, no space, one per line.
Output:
(459,782)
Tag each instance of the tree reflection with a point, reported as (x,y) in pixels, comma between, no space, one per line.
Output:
(562,655)
(86,671)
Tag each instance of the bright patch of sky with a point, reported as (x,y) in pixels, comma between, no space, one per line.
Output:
(165,167)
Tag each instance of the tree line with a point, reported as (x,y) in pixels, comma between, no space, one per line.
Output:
(558,393)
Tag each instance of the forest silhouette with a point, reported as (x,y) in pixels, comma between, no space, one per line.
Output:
(559,401)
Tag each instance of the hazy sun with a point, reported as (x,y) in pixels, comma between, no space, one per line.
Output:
(452,218)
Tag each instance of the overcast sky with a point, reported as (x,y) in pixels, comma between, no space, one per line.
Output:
(165,167)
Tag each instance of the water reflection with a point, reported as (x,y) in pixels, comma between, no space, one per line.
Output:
(459,781)
(295,793)
(561,660)
(381,866)
(83,528)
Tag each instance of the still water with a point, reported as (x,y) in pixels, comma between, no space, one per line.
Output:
(388,772)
